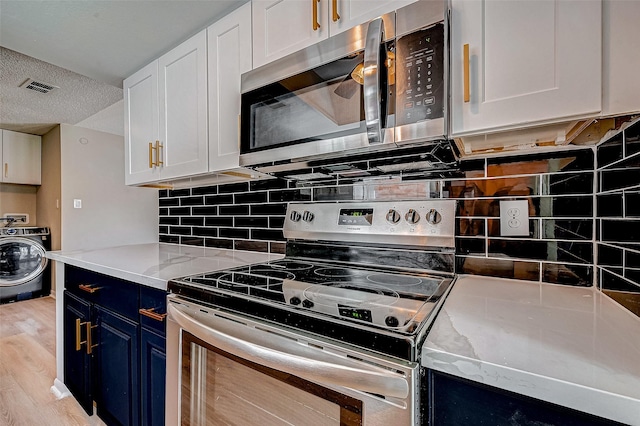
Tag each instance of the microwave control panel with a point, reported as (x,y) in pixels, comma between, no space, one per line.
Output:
(420,80)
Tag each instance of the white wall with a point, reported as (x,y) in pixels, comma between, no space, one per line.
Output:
(109,120)
(92,165)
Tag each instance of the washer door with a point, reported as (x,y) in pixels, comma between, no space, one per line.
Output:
(21,260)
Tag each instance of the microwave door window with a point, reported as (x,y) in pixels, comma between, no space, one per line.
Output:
(324,103)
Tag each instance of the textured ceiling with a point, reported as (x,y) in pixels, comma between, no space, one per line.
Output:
(86,48)
(29,111)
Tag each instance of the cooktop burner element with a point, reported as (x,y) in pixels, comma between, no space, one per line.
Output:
(369,300)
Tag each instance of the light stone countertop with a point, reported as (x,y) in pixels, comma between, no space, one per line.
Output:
(571,346)
(154,264)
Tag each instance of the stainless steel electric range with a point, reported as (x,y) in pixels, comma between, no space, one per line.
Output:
(342,316)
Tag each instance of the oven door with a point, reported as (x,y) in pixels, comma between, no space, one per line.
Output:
(333,96)
(226,369)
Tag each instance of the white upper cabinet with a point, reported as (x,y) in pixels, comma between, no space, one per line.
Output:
(621,62)
(529,62)
(166,115)
(229,44)
(345,14)
(20,158)
(141,131)
(281,27)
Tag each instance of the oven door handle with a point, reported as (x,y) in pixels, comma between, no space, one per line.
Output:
(287,355)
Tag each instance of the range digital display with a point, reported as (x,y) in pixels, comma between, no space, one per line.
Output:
(356,217)
(358,314)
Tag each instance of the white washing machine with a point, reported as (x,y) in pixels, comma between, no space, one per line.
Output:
(24,269)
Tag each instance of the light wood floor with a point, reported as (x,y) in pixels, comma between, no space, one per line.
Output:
(28,368)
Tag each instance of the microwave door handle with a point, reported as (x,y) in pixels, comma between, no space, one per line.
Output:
(373,65)
(291,357)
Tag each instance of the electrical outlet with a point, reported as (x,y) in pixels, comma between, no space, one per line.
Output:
(514,218)
(19,219)
(77,203)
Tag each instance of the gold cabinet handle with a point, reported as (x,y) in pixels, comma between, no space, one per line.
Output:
(159,146)
(78,333)
(88,288)
(90,346)
(314,7)
(466,73)
(151,313)
(150,155)
(335,16)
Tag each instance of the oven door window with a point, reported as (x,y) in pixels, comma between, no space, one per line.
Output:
(221,389)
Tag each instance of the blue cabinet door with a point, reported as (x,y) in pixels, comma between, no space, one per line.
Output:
(77,362)
(117,368)
(153,367)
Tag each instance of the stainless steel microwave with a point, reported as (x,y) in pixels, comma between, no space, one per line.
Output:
(378,85)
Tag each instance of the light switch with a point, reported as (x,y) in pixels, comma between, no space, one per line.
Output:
(77,204)
(514,218)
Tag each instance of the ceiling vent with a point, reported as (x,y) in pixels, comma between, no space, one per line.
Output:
(38,86)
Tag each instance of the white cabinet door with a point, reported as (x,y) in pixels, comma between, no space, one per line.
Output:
(281,27)
(182,95)
(530,62)
(229,44)
(621,61)
(21,155)
(345,14)
(141,125)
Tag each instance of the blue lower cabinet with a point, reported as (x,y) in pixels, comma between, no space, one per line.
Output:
(117,393)
(449,400)
(114,347)
(153,361)
(77,360)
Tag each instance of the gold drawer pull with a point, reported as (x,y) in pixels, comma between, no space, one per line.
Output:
(314,6)
(78,333)
(89,345)
(466,94)
(88,288)
(150,155)
(151,313)
(158,148)
(336,16)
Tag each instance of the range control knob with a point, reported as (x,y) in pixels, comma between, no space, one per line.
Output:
(295,300)
(393,216)
(412,216)
(433,216)
(307,216)
(295,216)
(307,303)
(391,321)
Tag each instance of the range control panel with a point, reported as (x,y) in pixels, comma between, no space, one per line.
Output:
(422,222)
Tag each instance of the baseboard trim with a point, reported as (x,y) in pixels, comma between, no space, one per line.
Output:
(59,390)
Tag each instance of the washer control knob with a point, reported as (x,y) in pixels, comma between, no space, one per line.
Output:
(295,300)
(412,216)
(295,216)
(393,216)
(307,216)
(307,303)
(433,217)
(391,321)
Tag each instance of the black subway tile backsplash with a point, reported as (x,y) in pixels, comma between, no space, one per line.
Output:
(251,222)
(180,211)
(219,243)
(567,229)
(213,200)
(560,273)
(192,221)
(192,241)
(618,213)
(219,221)
(269,209)
(233,188)
(251,197)
(205,211)
(192,201)
(180,230)
(171,220)
(267,234)
(204,190)
(234,210)
(179,193)
(204,231)
(234,233)
(261,246)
